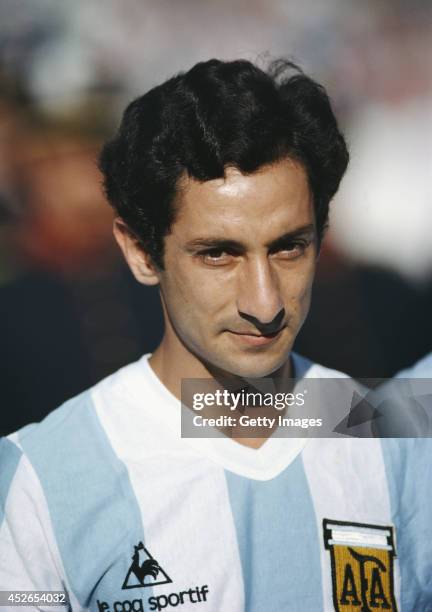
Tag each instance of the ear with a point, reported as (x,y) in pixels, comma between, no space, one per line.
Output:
(138,260)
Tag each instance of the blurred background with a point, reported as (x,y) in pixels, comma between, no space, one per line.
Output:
(70,312)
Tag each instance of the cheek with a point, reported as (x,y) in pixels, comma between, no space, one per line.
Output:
(298,290)
(191,294)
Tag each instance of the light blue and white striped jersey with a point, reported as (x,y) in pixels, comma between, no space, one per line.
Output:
(105,500)
(421,369)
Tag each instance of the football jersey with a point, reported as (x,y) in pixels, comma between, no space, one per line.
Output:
(421,369)
(105,500)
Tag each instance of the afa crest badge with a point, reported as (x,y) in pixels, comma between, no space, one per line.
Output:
(361,566)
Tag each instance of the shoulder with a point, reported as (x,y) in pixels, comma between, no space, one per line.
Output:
(70,435)
(47,448)
(64,418)
(421,369)
(78,414)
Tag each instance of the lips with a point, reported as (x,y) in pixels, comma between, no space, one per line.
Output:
(255,335)
(254,338)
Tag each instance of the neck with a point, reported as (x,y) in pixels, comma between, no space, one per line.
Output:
(172,363)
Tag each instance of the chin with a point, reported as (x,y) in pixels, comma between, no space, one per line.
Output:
(257,366)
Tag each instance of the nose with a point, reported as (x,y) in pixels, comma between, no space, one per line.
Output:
(259,300)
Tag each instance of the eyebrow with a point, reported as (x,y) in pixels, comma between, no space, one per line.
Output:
(225,244)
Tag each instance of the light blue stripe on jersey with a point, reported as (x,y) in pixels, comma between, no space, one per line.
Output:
(408,465)
(9,458)
(93,508)
(278,541)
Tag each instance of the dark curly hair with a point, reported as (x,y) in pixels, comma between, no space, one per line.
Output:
(218,114)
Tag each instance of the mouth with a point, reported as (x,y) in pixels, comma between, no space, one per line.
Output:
(255,339)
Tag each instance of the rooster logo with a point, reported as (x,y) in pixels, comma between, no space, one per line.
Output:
(144,570)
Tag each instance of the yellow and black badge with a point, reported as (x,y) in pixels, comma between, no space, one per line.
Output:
(361,565)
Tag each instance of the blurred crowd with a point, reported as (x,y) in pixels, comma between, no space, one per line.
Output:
(70,311)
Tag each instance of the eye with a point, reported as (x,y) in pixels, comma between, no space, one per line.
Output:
(291,250)
(215,257)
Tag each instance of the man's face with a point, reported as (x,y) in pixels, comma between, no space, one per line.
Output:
(239,267)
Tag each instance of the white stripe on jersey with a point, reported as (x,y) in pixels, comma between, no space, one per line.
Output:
(169,480)
(348,482)
(24,565)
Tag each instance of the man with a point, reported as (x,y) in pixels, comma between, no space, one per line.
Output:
(221,180)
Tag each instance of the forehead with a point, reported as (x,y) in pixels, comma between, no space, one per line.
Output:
(275,199)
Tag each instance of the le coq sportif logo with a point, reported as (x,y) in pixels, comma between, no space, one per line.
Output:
(144,570)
